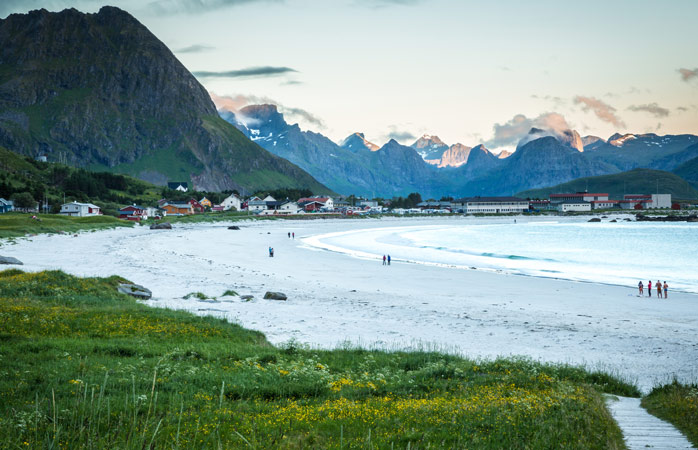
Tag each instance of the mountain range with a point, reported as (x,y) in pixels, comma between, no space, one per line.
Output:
(434,168)
(100,91)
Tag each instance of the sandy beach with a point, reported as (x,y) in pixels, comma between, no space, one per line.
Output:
(335,298)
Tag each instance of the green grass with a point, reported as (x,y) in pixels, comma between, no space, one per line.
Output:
(678,404)
(637,181)
(84,366)
(16,224)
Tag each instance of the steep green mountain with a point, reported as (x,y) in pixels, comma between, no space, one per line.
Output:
(689,170)
(636,181)
(101,91)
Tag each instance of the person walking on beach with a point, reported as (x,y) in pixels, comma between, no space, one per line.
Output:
(271,252)
(640,288)
(289,235)
(659,289)
(666,288)
(383,259)
(649,288)
(293,234)
(388,259)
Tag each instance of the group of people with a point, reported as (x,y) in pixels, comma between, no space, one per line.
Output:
(658,285)
(386,260)
(292,235)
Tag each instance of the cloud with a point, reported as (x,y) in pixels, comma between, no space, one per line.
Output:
(517,128)
(682,109)
(652,108)
(291,83)
(236,103)
(602,110)
(687,74)
(196,48)
(171,7)
(400,135)
(250,72)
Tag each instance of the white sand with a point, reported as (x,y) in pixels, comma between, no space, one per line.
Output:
(335,298)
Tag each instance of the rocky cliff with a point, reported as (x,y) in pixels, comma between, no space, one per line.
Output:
(101,91)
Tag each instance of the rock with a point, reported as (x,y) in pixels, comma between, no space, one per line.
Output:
(614,221)
(275,296)
(161,226)
(10,260)
(247,298)
(594,219)
(233,227)
(135,290)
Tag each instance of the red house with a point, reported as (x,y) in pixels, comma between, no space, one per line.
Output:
(196,206)
(133,212)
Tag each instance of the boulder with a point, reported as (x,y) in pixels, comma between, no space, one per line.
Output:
(275,296)
(594,219)
(135,290)
(614,221)
(247,298)
(161,226)
(10,260)
(233,227)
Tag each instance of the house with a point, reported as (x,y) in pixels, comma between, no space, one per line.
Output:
(206,202)
(231,202)
(256,204)
(6,205)
(151,211)
(573,205)
(80,209)
(178,209)
(649,201)
(326,203)
(539,204)
(603,204)
(311,206)
(283,207)
(577,196)
(133,212)
(196,206)
(492,205)
(181,186)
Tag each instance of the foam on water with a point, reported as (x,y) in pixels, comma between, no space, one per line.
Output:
(620,253)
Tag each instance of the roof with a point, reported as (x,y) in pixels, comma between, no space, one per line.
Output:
(575,202)
(604,201)
(176,184)
(6,202)
(81,204)
(134,207)
(178,205)
(314,199)
(490,200)
(580,194)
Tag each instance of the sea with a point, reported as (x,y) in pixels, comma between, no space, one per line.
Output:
(619,253)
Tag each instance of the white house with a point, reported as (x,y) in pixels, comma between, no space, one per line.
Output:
(492,205)
(574,206)
(230,202)
(181,186)
(255,204)
(80,209)
(326,202)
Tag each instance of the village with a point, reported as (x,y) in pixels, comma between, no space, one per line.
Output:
(577,202)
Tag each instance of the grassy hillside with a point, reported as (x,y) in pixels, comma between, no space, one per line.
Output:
(84,366)
(56,182)
(637,181)
(689,171)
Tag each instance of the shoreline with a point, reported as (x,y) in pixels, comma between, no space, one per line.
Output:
(336,300)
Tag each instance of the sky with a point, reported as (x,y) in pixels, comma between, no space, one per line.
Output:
(467,71)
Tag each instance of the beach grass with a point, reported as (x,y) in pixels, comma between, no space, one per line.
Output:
(82,366)
(21,224)
(676,403)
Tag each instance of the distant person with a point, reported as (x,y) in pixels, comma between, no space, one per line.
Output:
(659,289)
(293,234)
(640,287)
(289,235)
(384,260)
(666,288)
(388,259)
(649,288)
(271,252)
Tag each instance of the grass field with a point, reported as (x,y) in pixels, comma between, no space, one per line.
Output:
(676,403)
(83,366)
(20,224)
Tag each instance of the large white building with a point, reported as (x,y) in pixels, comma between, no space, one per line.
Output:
(492,205)
(649,201)
(80,209)
(569,206)
(230,202)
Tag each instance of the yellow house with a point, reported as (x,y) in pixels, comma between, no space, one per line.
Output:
(206,202)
